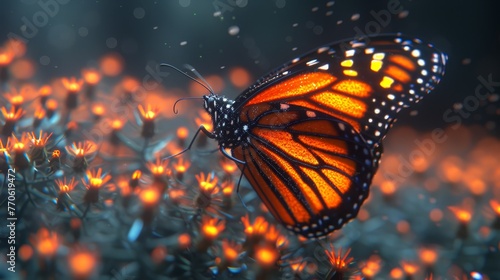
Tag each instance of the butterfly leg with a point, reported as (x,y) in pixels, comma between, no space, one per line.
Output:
(200,129)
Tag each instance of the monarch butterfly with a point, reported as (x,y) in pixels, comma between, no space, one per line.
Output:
(308,135)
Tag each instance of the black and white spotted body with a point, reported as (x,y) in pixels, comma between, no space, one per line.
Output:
(228,130)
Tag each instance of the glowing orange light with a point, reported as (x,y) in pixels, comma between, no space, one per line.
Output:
(259,226)
(150,196)
(266,256)
(82,264)
(159,168)
(136,175)
(451,169)
(3,149)
(239,77)
(207,183)
(45,90)
(117,124)
(495,206)
(419,162)
(124,187)
(339,261)
(95,179)
(388,188)
(175,194)
(409,267)
(403,227)
(65,186)
(298,266)
(6,57)
(91,76)
(72,85)
(211,227)
(436,215)
(17,145)
(52,104)
(46,242)
(205,120)
(13,114)
(56,153)
(75,223)
(130,84)
(396,273)
(372,266)
(81,149)
(16,100)
(159,254)
(462,215)
(39,113)
(229,166)
(42,139)
(98,109)
(150,114)
(25,252)
(111,64)
(184,240)
(22,69)
(428,255)
(182,133)
(230,250)
(181,166)
(476,185)
(227,188)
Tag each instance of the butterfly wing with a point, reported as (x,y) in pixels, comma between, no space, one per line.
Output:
(314,126)
(312,171)
(362,82)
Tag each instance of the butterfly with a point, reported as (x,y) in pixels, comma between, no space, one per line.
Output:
(308,135)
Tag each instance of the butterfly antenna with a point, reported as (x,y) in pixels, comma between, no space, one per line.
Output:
(200,77)
(202,83)
(181,99)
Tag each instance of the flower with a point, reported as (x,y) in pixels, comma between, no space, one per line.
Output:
(11,117)
(72,85)
(148,116)
(94,180)
(81,152)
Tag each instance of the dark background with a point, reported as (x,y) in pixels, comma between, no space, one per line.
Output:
(144,31)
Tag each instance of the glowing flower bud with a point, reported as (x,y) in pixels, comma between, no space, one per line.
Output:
(73,86)
(148,117)
(81,152)
(94,180)
(10,119)
(210,230)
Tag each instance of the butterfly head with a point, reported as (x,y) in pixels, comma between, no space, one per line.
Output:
(226,122)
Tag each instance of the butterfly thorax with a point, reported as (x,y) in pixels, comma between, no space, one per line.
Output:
(226,122)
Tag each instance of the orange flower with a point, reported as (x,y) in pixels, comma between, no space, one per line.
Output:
(65,186)
(150,113)
(339,261)
(211,227)
(72,84)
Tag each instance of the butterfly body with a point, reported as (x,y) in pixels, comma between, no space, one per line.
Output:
(308,135)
